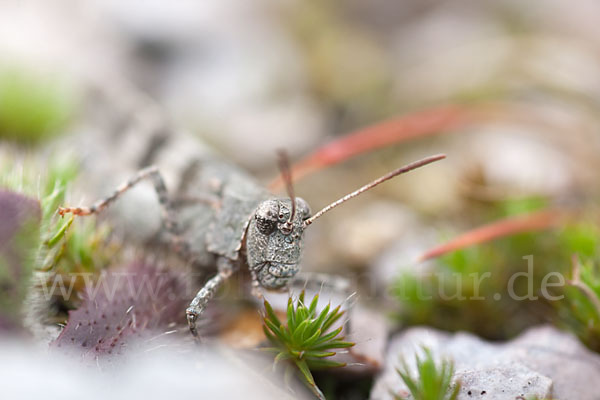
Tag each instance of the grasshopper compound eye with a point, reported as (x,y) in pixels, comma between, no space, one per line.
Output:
(303,208)
(267,216)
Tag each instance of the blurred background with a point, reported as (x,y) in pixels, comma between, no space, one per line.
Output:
(509,90)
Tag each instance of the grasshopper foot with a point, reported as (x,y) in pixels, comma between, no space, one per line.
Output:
(192,317)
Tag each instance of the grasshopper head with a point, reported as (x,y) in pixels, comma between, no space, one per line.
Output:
(274,240)
(274,236)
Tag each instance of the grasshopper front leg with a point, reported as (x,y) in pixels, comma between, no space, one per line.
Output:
(197,306)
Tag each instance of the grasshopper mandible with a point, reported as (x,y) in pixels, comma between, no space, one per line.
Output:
(234,222)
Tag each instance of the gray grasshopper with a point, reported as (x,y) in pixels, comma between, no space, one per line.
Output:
(230,221)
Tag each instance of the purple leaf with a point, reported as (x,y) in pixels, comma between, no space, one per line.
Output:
(122,310)
(19,236)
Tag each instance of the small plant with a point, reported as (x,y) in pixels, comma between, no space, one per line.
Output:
(434,382)
(307,339)
(62,250)
(70,248)
(61,247)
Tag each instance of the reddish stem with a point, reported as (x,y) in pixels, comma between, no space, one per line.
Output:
(536,221)
(399,129)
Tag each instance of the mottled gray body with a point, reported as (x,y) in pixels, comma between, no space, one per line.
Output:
(230,220)
(217,204)
(224,211)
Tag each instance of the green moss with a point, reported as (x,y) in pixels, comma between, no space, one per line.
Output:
(469,289)
(61,247)
(582,238)
(33,107)
(433,380)
(579,310)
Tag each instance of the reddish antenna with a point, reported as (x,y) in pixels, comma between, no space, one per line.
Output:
(376,182)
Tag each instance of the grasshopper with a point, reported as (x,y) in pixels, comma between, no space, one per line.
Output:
(230,221)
